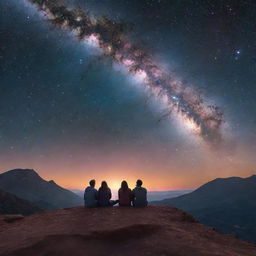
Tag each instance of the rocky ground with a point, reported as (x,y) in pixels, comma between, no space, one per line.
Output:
(155,230)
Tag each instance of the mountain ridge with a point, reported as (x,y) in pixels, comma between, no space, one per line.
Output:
(28,185)
(11,204)
(227,204)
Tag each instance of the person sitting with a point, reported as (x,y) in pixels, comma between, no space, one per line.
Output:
(91,195)
(124,194)
(104,196)
(139,195)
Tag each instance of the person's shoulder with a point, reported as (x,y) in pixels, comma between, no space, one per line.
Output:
(144,189)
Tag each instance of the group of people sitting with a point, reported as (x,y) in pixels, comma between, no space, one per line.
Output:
(126,197)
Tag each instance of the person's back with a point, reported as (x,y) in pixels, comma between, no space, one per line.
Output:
(91,195)
(104,195)
(124,195)
(139,195)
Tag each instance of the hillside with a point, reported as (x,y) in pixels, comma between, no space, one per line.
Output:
(227,204)
(154,230)
(10,204)
(28,185)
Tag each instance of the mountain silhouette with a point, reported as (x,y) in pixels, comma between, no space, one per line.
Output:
(227,204)
(79,231)
(11,204)
(28,185)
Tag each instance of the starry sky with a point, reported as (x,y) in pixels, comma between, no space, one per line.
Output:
(72,115)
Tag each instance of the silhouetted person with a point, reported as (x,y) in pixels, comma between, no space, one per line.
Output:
(124,194)
(104,196)
(91,195)
(139,195)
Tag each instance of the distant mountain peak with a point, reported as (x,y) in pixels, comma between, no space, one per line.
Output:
(20,171)
(27,184)
(52,182)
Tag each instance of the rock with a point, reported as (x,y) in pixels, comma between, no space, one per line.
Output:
(79,231)
(12,217)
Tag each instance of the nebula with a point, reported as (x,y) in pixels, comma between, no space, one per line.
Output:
(112,38)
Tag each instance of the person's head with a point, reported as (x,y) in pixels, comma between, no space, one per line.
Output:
(139,183)
(104,184)
(92,183)
(124,185)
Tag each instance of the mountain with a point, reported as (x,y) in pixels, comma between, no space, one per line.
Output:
(78,192)
(228,205)
(28,185)
(10,204)
(159,195)
(79,231)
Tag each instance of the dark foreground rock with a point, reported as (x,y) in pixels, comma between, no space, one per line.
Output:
(156,230)
(11,217)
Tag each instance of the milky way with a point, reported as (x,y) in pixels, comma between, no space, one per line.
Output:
(113,39)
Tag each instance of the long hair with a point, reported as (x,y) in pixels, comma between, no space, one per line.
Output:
(104,185)
(124,185)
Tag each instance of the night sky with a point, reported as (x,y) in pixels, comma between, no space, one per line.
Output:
(72,114)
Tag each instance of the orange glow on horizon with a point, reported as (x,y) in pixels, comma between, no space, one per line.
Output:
(157,168)
(78,181)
